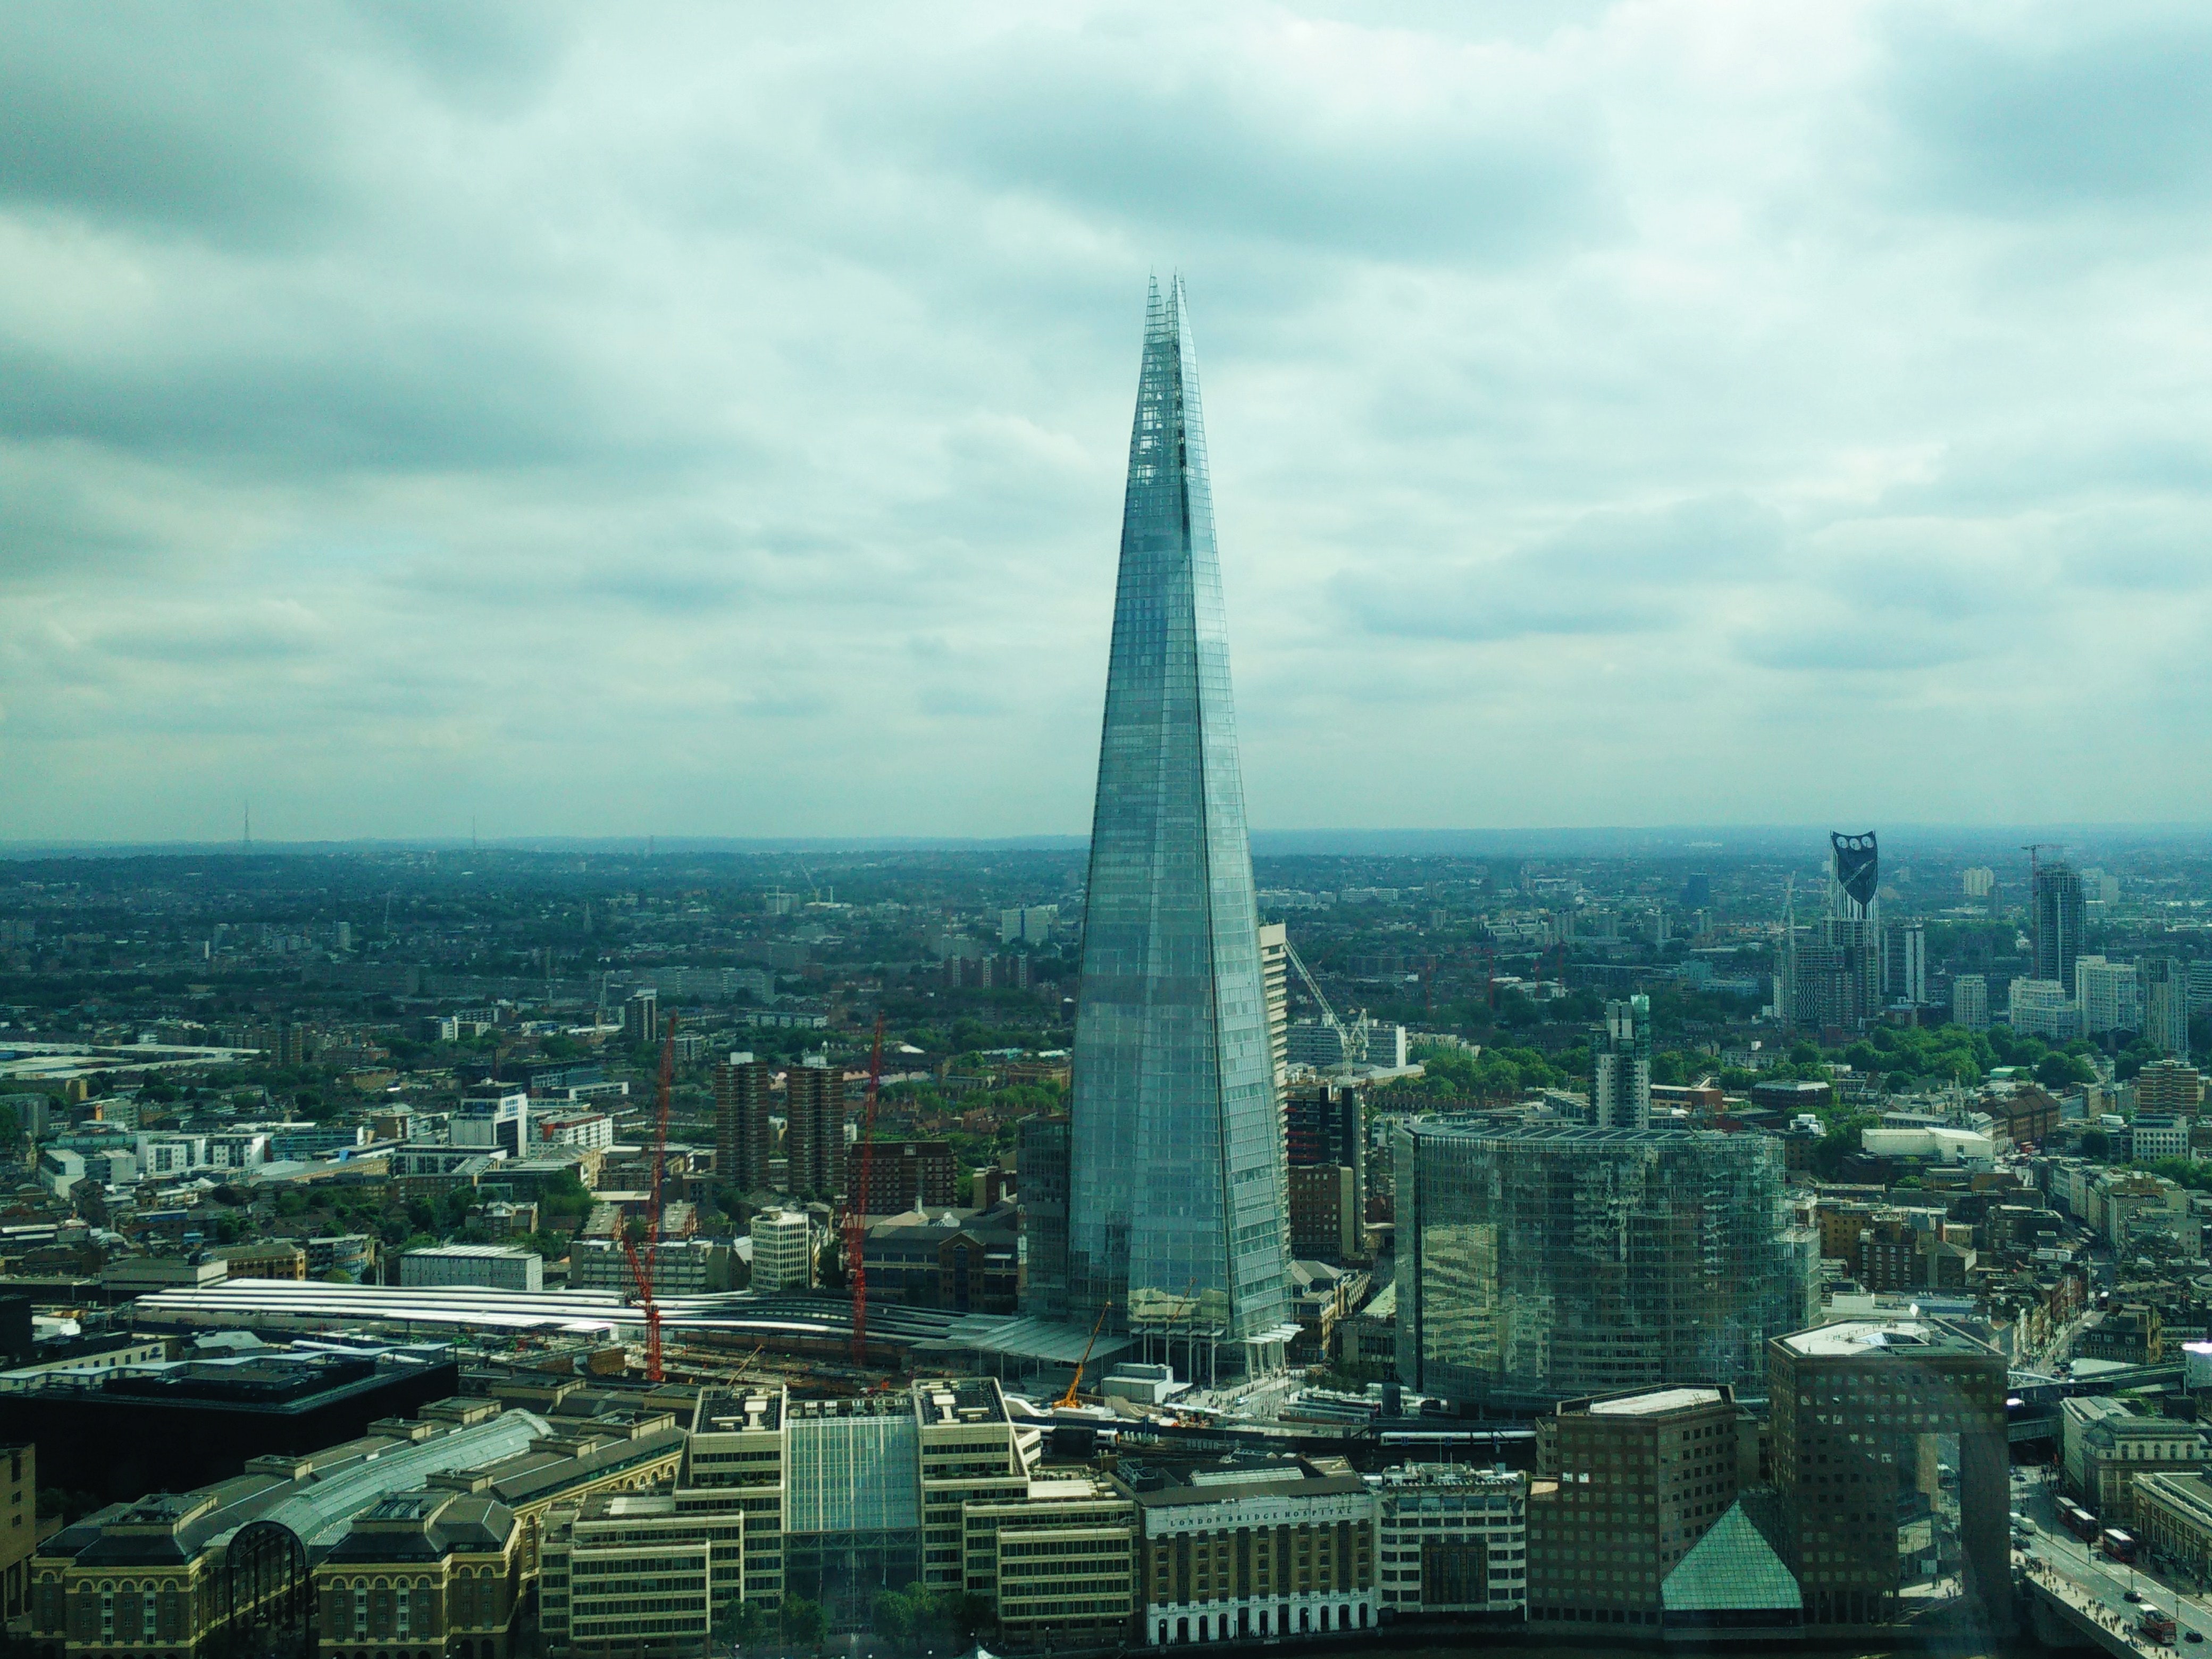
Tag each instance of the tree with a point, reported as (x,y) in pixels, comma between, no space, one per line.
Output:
(804,1623)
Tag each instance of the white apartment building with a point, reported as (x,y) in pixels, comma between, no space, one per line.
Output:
(783,1250)
(1970,1001)
(2109,994)
(2040,1007)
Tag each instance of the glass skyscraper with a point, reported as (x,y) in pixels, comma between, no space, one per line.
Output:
(1538,1262)
(1177,1214)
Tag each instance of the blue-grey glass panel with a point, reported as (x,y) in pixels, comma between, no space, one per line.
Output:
(1176,1178)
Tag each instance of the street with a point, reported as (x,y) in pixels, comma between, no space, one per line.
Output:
(2103,1582)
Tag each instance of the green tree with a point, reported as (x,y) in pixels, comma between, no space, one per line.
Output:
(804,1623)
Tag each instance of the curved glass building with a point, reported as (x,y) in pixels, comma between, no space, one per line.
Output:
(1177,1218)
(1537,1263)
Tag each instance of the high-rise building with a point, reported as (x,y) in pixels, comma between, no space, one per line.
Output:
(1541,1263)
(1326,1124)
(2055,909)
(2109,995)
(783,1250)
(1979,881)
(744,1141)
(1904,962)
(1970,1001)
(814,1128)
(1858,1410)
(1837,972)
(1177,1180)
(1275,973)
(2165,1002)
(1028,924)
(641,1018)
(1620,1091)
(1040,1179)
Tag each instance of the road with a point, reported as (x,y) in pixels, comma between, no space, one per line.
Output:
(2106,1583)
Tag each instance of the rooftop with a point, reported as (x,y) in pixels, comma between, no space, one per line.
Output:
(1656,1401)
(1853,1339)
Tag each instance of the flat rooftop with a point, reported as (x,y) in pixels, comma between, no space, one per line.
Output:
(1858,1339)
(1656,1401)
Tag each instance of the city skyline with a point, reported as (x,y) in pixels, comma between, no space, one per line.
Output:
(714,431)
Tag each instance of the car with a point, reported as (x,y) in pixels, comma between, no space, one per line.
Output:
(2193,1635)
(2132,1595)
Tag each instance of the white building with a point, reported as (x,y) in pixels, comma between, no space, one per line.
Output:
(588,1132)
(783,1250)
(1451,1539)
(1028,924)
(488,1267)
(1979,881)
(1970,1001)
(2166,1004)
(2109,993)
(2040,1007)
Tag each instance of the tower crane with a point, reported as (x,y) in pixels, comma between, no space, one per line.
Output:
(640,1270)
(856,1203)
(1354,1035)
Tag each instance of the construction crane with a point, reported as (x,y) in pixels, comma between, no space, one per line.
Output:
(1075,1381)
(1354,1036)
(856,1202)
(640,1269)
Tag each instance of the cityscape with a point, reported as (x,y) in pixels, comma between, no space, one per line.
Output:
(1780,1227)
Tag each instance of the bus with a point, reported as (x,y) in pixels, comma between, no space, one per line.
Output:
(2077,1520)
(2118,1544)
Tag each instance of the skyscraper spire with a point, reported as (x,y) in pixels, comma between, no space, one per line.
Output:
(1177,1204)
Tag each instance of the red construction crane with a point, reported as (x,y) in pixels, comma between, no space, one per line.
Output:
(640,1270)
(856,1203)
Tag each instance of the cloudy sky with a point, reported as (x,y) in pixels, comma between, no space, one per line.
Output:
(647,419)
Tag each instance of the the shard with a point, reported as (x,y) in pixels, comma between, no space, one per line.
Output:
(1177,1215)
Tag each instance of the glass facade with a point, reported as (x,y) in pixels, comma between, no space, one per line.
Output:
(1538,1264)
(1177,1185)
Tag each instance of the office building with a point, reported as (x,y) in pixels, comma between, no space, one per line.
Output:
(2166,1005)
(1905,963)
(783,1250)
(493,1267)
(18,1525)
(1451,1539)
(744,1140)
(1254,1548)
(426,1571)
(492,1118)
(2109,995)
(814,1129)
(1386,1046)
(2041,1007)
(965,1262)
(1275,976)
(1041,1181)
(1634,1481)
(641,1018)
(1059,1562)
(1177,1184)
(1620,1090)
(2056,918)
(2107,1448)
(2153,1135)
(1858,1408)
(1970,1001)
(1547,1262)
(2169,1086)
(675,1267)
(1028,924)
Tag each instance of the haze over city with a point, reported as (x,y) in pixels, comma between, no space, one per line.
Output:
(706,423)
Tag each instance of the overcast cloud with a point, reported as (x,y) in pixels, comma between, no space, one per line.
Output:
(616,420)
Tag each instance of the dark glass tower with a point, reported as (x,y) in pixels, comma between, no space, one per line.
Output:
(1177,1214)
